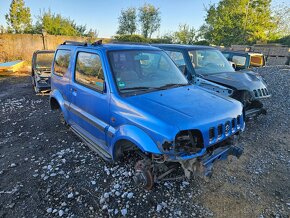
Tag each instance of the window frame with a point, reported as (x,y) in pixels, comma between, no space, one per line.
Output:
(84,85)
(54,62)
(126,95)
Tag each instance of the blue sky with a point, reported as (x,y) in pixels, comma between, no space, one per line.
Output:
(103,14)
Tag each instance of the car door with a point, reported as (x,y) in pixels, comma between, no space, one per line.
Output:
(61,78)
(89,98)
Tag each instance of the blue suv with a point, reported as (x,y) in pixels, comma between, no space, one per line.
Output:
(120,98)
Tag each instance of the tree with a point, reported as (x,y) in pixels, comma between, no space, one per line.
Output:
(150,19)
(131,38)
(281,14)
(238,21)
(55,24)
(92,33)
(185,34)
(19,17)
(127,22)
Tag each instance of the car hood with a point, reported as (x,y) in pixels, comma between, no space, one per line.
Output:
(240,80)
(186,107)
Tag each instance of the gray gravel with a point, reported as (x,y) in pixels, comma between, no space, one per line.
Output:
(47,171)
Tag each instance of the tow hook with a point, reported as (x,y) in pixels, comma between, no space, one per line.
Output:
(236,151)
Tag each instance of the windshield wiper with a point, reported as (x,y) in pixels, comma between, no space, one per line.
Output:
(145,88)
(137,88)
(172,85)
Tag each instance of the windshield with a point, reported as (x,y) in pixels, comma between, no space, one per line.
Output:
(209,61)
(142,71)
(44,60)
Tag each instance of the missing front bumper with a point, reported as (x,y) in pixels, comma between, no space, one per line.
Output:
(203,166)
(255,109)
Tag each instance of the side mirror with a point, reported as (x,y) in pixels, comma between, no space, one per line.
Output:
(104,87)
(233,65)
(185,72)
(101,86)
(182,68)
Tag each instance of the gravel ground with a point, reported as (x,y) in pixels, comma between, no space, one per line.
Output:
(46,171)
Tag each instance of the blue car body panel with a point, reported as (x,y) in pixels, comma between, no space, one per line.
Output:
(148,120)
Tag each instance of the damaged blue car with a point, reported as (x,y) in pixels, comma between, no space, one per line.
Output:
(121,98)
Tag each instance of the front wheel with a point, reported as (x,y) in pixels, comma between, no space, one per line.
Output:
(143,175)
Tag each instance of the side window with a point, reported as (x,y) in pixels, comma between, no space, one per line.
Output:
(89,71)
(239,60)
(177,57)
(61,62)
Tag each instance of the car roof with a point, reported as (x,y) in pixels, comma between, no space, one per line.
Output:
(44,51)
(113,47)
(183,47)
(241,52)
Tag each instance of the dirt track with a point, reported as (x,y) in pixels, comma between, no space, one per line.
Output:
(46,171)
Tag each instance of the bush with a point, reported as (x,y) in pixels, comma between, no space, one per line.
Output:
(141,39)
(130,38)
(202,42)
(284,41)
(161,40)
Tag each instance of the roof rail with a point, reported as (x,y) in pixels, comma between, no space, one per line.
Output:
(75,43)
(130,43)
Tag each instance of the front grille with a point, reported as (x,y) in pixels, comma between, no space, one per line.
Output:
(261,92)
(233,123)
(238,120)
(220,130)
(211,133)
(229,127)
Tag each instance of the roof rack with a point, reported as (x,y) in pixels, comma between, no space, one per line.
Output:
(99,42)
(75,43)
(130,43)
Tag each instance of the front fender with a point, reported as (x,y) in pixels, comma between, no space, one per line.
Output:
(136,136)
(55,94)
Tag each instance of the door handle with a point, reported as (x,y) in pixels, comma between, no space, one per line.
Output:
(74,91)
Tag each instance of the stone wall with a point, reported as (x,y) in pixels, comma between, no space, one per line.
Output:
(275,54)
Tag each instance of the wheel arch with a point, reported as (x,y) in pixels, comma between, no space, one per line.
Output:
(135,136)
(57,102)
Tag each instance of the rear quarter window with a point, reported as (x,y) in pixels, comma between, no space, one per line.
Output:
(61,62)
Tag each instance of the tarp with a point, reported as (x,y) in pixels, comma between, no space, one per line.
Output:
(11,66)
